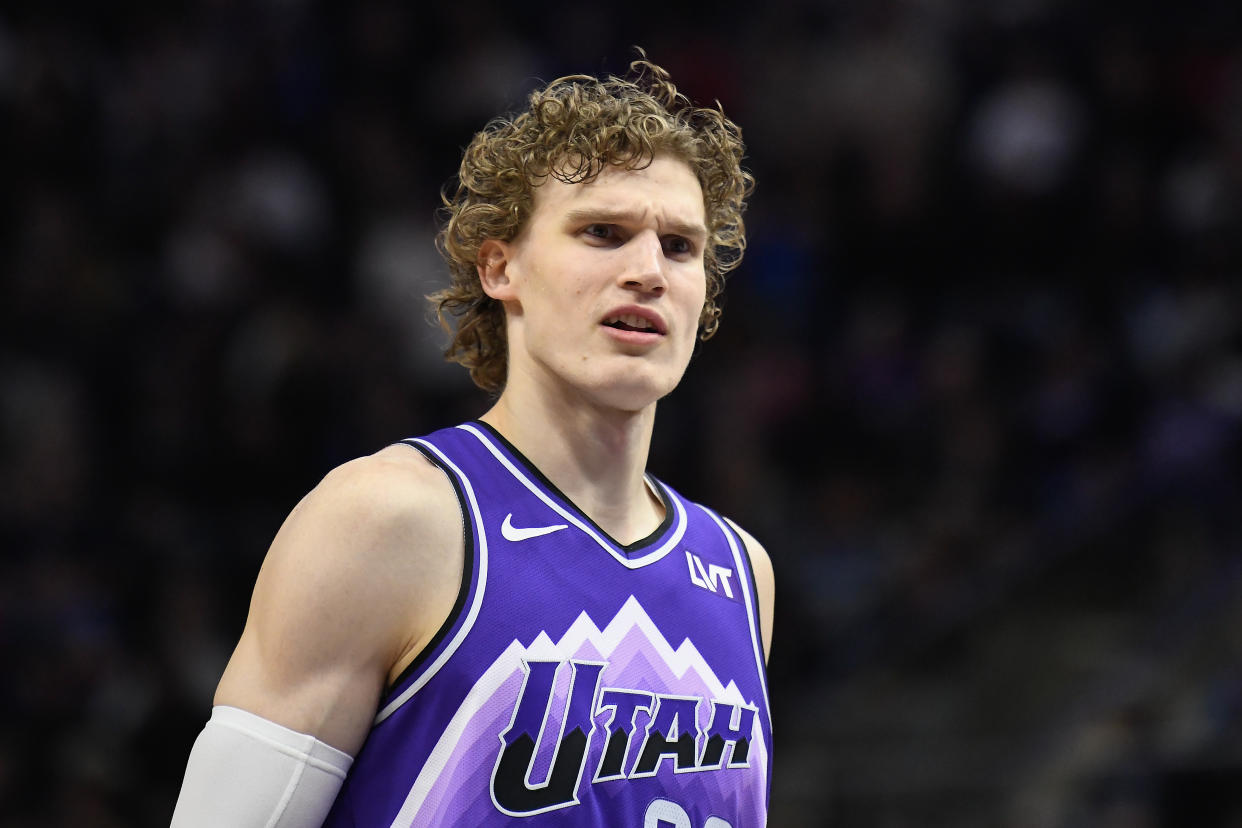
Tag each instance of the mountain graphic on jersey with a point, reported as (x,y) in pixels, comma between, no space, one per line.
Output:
(599,707)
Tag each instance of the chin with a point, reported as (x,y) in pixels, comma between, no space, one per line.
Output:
(633,390)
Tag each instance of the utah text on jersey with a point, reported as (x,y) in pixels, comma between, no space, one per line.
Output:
(670,734)
(599,708)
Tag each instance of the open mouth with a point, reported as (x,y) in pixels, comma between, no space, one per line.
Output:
(631,322)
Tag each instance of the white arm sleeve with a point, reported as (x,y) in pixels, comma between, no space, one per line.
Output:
(247,772)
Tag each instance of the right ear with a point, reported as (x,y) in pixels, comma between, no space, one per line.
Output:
(493,264)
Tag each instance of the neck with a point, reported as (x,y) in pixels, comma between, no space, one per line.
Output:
(596,456)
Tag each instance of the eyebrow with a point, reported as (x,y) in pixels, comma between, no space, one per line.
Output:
(608,215)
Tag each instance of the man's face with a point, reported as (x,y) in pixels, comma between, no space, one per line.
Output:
(604,286)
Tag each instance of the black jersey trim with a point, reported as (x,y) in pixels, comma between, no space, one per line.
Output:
(750,577)
(628,548)
(750,570)
(463,592)
(732,535)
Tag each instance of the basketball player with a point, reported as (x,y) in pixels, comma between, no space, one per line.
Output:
(509,621)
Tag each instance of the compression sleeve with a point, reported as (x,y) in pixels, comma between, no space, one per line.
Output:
(247,772)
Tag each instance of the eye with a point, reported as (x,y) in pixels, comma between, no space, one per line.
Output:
(600,231)
(678,246)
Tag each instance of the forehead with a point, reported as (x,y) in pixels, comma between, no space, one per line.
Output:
(667,188)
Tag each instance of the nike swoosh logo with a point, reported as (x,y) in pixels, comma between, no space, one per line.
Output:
(521,533)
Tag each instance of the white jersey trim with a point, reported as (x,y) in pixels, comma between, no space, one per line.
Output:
(747,583)
(480,586)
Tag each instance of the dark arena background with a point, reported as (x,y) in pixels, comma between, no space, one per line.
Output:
(978,385)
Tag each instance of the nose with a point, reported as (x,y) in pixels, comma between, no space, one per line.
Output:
(644,265)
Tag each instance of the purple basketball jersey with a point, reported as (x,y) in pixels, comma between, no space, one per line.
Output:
(579,682)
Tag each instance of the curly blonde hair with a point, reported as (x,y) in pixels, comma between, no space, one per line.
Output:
(571,128)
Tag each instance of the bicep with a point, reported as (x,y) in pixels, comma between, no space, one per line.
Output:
(350,580)
(293,664)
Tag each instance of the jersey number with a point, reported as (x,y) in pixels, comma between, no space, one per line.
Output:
(662,813)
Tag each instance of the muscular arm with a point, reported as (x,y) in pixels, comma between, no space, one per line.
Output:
(357,581)
(765,584)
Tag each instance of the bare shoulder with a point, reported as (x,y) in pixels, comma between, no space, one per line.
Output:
(396,476)
(765,583)
(392,491)
(372,525)
(358,579)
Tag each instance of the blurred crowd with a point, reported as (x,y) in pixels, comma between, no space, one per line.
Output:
(977,388)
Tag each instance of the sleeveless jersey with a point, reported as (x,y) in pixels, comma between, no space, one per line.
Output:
(579,681)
